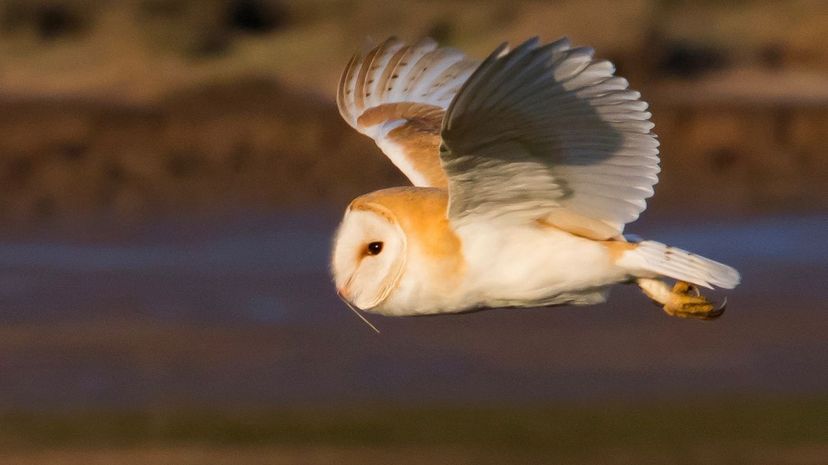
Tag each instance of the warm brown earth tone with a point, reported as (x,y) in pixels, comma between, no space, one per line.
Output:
(131,110)
(250,145)
(255,144)
(325,455)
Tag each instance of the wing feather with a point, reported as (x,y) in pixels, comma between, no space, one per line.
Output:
(375,83)
(548,132)
(388,76)
(397,94)
(542,132)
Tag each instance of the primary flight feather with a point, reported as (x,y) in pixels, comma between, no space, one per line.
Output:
(526,167)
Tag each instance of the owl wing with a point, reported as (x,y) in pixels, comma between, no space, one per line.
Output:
(547,133)
(397,94)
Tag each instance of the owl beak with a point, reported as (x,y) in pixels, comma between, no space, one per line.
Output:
(343,294)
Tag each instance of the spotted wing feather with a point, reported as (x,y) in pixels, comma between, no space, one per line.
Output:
(397,94)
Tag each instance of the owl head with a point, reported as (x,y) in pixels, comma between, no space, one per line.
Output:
(369,255)
(386,235)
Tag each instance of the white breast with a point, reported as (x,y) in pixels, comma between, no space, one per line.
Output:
(528,266)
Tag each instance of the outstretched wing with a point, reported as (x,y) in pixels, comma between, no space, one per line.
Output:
(397,94)
(547,133)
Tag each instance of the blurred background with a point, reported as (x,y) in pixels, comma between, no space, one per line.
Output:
(172,172)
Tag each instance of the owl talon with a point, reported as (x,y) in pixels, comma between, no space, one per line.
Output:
(685,288)
(686,301)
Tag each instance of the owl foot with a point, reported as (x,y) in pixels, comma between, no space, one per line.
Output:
(682,301)
(685,301)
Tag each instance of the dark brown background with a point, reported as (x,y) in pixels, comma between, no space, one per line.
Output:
(171,173)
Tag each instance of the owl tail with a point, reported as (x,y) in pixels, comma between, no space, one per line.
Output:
(653,259)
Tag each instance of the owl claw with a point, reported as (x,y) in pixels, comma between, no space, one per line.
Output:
(686,301)
(685,288)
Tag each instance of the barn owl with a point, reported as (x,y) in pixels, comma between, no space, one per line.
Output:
(525,169)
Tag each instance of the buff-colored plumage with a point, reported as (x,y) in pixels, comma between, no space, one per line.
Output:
(526,167)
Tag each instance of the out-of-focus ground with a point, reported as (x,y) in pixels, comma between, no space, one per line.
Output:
(171,173)
(204,342)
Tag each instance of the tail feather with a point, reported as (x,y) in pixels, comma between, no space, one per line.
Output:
(650,257)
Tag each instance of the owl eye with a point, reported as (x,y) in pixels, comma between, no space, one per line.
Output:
(374,248)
